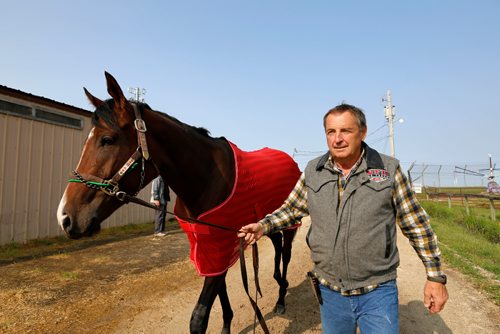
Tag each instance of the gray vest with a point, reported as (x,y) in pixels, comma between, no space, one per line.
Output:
(353,242)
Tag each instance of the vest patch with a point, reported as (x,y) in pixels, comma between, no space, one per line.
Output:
(378,175)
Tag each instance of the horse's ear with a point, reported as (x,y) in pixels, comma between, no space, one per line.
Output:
(114,90)
(122,115)
(94,100)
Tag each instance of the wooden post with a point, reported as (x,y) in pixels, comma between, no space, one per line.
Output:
(449,201)
(492,209)
(467,206)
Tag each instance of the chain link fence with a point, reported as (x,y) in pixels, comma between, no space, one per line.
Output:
(428,174)
(438,176)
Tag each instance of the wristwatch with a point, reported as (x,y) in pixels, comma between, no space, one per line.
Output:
(438,279)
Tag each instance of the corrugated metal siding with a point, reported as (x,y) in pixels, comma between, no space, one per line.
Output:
(36,161)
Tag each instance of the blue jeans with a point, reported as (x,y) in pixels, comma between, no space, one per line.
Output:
(160,216)
(374,312)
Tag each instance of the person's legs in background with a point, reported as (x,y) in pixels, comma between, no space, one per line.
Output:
(160,221)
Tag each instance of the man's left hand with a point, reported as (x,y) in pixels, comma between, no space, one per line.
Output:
(435,296)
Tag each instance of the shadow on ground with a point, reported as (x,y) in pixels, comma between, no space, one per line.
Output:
(81,244)
(414,318)
(302,311)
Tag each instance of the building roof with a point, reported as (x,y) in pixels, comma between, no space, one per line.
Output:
(43,101)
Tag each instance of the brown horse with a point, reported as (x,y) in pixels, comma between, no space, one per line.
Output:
(200,169)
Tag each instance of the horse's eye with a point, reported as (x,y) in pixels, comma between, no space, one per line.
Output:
(107,140)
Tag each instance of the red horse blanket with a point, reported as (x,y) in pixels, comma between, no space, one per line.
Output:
(264,179)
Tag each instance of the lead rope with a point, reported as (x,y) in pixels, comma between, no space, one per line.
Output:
(143,176)
(123,196)
(244,275)
(244,278)
(255,256)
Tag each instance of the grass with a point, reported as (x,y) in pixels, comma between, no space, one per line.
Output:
(477,222)
(469,243)
(69,275)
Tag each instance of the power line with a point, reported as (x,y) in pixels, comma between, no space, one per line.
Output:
(379,139)
(306,153)
(378,129)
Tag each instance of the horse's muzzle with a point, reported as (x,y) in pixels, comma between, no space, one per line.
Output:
(73,231)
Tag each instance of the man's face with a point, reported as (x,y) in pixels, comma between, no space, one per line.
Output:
(344,137)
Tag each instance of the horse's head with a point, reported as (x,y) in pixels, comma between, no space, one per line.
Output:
(113,139)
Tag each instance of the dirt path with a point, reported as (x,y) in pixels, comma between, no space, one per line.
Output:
(147,285)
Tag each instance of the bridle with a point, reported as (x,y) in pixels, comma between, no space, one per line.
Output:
(111,188)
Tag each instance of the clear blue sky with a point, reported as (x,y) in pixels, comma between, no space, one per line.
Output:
(263,73)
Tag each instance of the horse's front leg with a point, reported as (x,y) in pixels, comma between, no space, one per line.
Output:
(227,312)
(201,312)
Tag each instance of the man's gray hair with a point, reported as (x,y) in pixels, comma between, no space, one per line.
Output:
(341,108)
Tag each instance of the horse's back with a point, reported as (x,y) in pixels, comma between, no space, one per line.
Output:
(272,174)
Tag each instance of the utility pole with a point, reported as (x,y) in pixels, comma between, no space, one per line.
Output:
(137,92)
(389,116)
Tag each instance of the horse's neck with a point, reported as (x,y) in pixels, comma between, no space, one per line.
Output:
(198,168)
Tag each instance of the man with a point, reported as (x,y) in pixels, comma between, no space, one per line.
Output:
(356,197)
(160,197)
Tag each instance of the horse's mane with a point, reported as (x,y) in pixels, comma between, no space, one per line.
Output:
(106,113)
(200,130)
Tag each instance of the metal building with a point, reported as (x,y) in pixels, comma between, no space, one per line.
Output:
(40,144)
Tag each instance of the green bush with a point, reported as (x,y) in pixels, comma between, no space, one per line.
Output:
(474,223)
(436,210)
(484,226)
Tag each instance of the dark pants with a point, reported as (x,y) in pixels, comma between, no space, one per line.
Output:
(160,219)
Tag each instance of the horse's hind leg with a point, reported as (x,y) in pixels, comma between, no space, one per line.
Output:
(283,251)
(277,240)
(227,312)
(288,236)
(201,312)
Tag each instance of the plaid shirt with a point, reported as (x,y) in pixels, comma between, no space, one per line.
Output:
(410,216)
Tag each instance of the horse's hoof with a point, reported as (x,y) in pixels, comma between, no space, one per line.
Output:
(279,309)
(226,327)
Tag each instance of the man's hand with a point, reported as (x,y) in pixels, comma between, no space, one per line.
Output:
(155,202)
(435,296)
(251,232)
